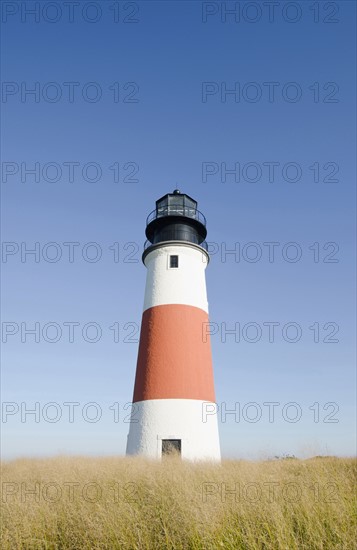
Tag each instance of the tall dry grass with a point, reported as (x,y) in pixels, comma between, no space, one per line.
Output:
(118,503)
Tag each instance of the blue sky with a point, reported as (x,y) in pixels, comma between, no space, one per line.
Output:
(148,101)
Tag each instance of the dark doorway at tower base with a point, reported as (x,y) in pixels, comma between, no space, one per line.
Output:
(171,447)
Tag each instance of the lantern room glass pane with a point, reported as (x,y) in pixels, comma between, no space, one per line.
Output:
(176,205)
(161,207)
(190,207)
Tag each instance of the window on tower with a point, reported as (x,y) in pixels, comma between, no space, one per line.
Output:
(173,261)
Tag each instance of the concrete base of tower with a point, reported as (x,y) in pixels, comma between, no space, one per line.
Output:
(189,424)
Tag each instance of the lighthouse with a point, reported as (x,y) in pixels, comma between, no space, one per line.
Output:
(174,410)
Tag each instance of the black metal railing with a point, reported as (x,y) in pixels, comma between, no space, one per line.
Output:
(203,244)
(176,210)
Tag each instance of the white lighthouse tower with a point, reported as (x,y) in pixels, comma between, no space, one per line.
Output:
(174,400)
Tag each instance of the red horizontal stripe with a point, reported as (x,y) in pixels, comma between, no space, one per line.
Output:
(174,361)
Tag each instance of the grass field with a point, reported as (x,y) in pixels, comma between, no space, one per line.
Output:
(118,503)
